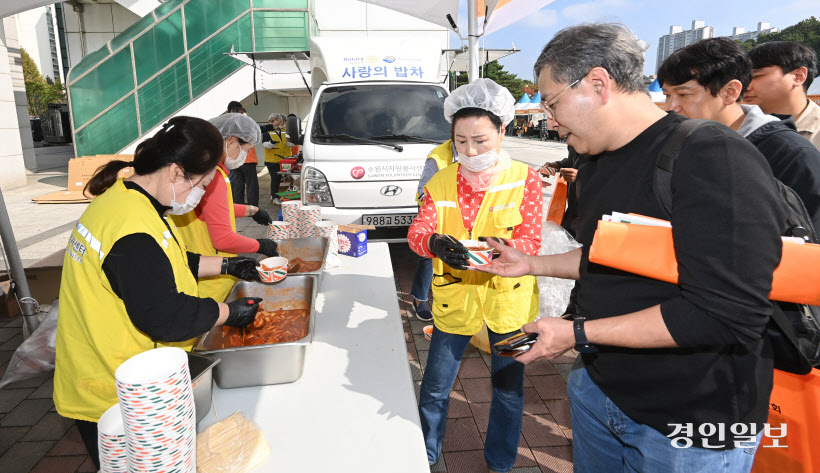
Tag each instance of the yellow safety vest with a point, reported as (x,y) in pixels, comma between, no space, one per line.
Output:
(195,233)
(94,333)
(464,300)
(280,149)
(443,156)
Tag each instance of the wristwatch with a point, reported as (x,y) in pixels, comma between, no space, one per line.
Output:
(582,345)
(224,269)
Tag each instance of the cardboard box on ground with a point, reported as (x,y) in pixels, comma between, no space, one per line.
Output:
(80,170)
(43,280)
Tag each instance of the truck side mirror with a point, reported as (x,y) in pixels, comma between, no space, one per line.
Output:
(294,129)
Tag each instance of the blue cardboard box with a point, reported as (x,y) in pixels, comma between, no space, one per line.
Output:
(352,241)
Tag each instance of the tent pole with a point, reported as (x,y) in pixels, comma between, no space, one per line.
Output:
(27,303)
(472,41)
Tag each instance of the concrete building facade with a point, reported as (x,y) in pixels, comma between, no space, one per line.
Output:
(678,38)
(739,33)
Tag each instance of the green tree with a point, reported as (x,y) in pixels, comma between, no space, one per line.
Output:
(806,32)
(39,92)
(495,71)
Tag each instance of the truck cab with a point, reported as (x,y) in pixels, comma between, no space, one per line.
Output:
(377,111)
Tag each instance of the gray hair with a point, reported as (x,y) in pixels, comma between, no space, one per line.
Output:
(576,50)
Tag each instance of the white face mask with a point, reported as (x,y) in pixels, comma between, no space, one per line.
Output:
(233,163)
(480,162)
(190,202)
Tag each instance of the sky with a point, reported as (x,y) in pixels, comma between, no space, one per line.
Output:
(648,19)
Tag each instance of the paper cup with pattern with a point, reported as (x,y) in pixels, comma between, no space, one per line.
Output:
(279,231)
(111,441)
(290,211)
(478,253)
(308,216)
(331,231)
(273,269)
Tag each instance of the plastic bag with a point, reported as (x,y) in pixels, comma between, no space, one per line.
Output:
(232,445)
(36,354)
(554,292)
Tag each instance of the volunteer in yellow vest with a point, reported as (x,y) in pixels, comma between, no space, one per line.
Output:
(210,229)
(439,158)
(484,195)
(275,142)
(129,282)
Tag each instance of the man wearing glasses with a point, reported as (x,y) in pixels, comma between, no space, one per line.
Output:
(668,373)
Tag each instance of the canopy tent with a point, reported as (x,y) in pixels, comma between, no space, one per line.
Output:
(525,98)
(434,11)
(657,97)
(814,88)
(485,56)
(502,13)
(655,86)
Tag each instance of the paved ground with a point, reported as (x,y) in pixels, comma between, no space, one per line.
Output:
(34,438)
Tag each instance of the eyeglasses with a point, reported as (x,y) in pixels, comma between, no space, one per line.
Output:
(548,109)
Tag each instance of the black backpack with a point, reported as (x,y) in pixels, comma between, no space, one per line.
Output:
(794,329)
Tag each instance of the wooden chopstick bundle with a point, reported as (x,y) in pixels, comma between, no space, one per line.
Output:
(232,445)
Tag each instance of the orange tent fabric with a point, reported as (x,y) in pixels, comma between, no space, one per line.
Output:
(795,401)
(558,202)
(649,251)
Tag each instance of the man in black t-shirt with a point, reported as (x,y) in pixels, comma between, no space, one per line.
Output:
(671,377)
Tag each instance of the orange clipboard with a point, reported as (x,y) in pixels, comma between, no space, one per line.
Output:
(649,251)
(558,202)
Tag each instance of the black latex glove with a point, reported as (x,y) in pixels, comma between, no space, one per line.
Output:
(241,267)
(449,250)
(241,312)
(268,247)
(261,217)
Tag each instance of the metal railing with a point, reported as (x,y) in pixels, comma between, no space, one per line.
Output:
(170,58)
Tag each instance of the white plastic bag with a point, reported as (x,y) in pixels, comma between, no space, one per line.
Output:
(36,354)
(554,292)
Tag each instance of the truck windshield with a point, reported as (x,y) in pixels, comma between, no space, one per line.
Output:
(388,113)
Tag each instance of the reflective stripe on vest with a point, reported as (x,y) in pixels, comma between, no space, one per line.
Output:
(463,300)
(94,333)
(195,233)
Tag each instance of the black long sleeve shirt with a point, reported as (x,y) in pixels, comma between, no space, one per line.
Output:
(726,224)
(141,275)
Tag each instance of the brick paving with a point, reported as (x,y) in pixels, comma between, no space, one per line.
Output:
(546,437)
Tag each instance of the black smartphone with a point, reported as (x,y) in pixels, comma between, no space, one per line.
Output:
(515,345)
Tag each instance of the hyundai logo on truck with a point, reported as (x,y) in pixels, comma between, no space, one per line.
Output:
(391,190)
(357,172)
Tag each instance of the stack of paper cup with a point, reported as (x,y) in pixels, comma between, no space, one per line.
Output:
(111,441)
(309,216)
(279,230)
(331,231)
(290,213)
(157,403)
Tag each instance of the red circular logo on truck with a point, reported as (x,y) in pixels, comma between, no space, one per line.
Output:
(357,172)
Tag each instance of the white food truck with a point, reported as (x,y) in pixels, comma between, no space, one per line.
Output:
(377,112)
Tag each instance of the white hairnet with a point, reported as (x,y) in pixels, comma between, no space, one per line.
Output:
(238,125)
(485,94)
(273,116)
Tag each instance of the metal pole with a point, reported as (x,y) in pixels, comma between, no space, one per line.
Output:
(472,41)
(18,275)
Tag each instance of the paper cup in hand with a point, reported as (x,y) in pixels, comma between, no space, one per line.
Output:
(478,253)
(273,269)
(279,231)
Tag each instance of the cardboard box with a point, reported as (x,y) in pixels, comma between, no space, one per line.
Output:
(80,171)
(352,241)
(43,281)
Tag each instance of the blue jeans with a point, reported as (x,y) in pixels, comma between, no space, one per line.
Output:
(422,279)
(506,410)
(606,440)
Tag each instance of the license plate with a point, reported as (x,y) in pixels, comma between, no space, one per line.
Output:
(388,220)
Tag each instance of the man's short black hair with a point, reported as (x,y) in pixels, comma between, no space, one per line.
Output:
(788,56)
(712,63)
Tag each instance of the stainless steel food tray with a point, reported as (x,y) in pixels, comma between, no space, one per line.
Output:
(201,368)
(309,249)
(276,363)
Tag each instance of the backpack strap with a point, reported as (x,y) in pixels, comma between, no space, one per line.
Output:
(666,161)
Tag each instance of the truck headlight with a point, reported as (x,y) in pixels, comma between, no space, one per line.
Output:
(316,188)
